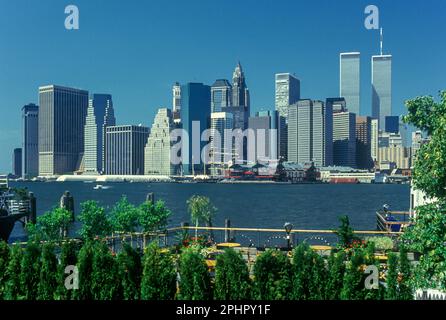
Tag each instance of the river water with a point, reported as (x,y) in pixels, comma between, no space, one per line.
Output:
(306,206)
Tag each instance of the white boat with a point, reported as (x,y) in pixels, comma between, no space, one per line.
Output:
(100,187)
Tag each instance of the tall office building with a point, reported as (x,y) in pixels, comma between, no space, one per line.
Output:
(30,141)
(176,102)
(374,138)
(344,139)
(221,95)
(124,149)
(221,151)
(100,114)
(62,117)
(310,133)
(17,162)
(392,124)
(349,80)
(195,112)
(381,88)
(287,92)
(266,126)
(364,142)
(240,106)
(157,159)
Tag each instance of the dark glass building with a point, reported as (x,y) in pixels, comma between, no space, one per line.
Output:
(30,141)
(195,113)
(392,124)
(17,162)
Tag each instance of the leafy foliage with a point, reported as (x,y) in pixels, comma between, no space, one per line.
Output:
(95,221)
(48,274)
(124,216)
(202,210)
(392,278)
(13,288)
(195,282)
(231,277)
(30,271)
(153,217)
(4,261)
(273,277)
(51,226)
(68,257)
(345,233)
(130,267)
(105,284)
(336,267)
(159,275)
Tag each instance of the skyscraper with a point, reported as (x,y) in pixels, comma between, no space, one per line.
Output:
(100,114)
(381,88)
(266,125)
(240,106)
(364,142)
(349,80)
(176,102)
(374,138)
(310,133)
(157,160)
(221,152)
(195,112)
(30,141)
(344,137)
(17,162)
(221,95)
(392,124)
(62,117)
(124,149)
(287,92)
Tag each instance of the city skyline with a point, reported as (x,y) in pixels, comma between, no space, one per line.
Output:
(317,70)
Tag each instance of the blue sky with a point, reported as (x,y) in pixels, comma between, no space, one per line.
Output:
(136,50)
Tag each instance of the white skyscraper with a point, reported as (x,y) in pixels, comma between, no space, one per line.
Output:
(100,114)
(349,80)
(176,102)
(157,151)
(221,152)
(287,92)
(374,139)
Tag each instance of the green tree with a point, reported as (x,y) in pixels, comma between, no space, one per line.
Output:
(30,271)
(68,257)
(51,226)
(353,285)
(95,222)
(130,267)
(105,284)
(201,209)
(159,275)
(392,277)
(124,216)
(273,276)
(13,287)
(428,234)
(47,286)
(85,267)
(405,289)
(153,217)
(301,272)
(4,261)
(336,267)
(195,283)
(231,277)
(345,233)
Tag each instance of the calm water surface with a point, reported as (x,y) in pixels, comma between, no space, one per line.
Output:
(315,206)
